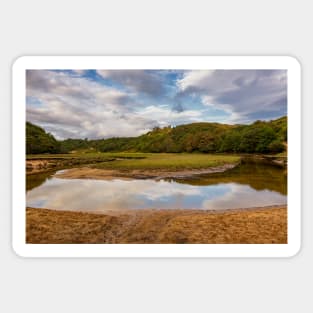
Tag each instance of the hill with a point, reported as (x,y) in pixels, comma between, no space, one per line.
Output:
(259,137)
(38,141)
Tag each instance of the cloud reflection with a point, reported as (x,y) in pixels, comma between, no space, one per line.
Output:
(101,195)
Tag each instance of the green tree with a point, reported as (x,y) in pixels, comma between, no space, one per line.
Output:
(38,141)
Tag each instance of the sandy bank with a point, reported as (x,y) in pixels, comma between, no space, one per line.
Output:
(257,226)
(39,166)
(94,173)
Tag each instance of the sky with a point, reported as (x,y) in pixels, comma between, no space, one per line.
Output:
(98,104)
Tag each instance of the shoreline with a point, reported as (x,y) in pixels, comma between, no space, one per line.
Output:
(109,174)
(142,165)
(258,225)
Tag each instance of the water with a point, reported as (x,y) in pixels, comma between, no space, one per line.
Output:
(249,185)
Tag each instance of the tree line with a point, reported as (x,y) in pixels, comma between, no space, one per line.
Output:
(258,137)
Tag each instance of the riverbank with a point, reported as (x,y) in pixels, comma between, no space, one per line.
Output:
(254,226)
(46,163)
(108,174)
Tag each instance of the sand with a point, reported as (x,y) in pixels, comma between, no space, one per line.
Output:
(107,174)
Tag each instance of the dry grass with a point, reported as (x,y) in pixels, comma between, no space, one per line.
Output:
(255,226)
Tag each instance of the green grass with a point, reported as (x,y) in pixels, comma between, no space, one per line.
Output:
(82,155)
(167,161)
(282,154)
(131,161)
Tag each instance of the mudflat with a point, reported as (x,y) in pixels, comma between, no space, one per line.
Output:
(241,226)
(107,174)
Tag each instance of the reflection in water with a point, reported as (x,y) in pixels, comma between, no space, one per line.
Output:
(35,180)
(257,175)
(239,188)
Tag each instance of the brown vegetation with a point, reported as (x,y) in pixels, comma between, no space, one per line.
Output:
(253,226)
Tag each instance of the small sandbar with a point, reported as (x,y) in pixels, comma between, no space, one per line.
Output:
(109,174)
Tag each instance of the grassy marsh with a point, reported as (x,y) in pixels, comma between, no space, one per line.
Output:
(131,161)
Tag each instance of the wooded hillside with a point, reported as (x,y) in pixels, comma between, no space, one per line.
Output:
(259,137)
(38,141)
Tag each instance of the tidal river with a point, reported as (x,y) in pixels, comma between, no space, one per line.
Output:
(246,186)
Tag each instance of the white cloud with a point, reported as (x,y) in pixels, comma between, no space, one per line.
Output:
(194,78)
(166,116)
(246,94)
(77,107)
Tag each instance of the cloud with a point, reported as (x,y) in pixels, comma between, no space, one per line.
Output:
(148,82)
(58,84)
(178,107)
(163,115)
(192,79)
(245,94)
(126,103)
(79,72)
(76,107)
